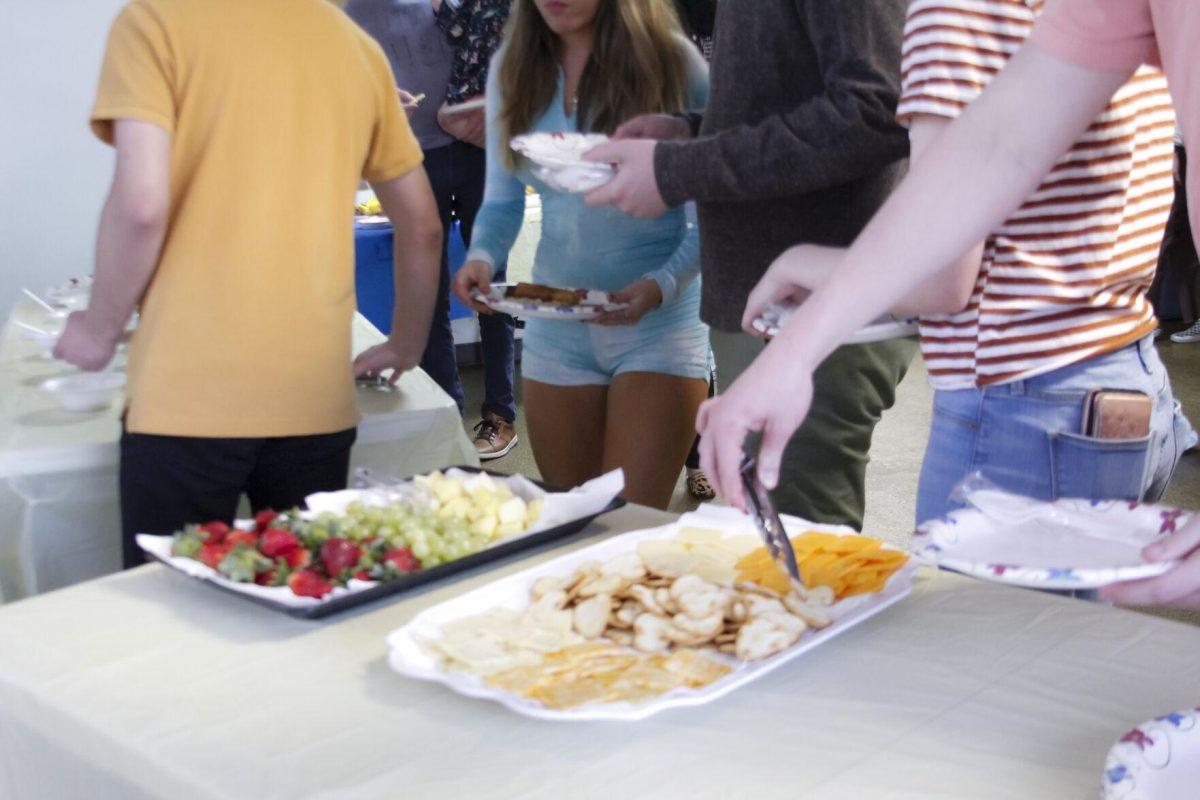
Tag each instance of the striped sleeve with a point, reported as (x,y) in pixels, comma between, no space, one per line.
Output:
(953,48)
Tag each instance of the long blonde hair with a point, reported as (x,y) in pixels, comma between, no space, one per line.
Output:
(637,66)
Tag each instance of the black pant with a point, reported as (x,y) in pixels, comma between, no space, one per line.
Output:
(169,481)
(1178,254)
(456,174)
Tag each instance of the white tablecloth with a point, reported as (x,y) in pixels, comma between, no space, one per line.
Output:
(144,684)
(59,512)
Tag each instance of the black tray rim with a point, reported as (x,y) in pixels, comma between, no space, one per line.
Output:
(423,577)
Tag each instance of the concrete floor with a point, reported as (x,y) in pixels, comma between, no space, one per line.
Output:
(900,444)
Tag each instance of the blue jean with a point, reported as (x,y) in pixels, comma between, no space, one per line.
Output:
(456,174)
(1025,438)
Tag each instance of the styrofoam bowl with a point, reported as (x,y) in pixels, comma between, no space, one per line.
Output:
(87,391)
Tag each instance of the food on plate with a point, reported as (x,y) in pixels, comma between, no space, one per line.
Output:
(844,566)
(440,519)
(631,628)
(598,672)
(543,294)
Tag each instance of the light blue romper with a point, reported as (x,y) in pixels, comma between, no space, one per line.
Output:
(597,248)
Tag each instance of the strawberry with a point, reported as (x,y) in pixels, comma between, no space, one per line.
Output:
(216,531)
(403,560)
(187,542)
(263,519)
(338,556)
(299,558)
(213,554)
(363,575)
(246,538)
(277,575)
(309,583)
(243,563)
(276,542)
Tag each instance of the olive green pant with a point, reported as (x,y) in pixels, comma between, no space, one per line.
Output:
(823,476)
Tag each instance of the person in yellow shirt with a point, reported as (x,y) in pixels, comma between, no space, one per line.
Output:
(242,131)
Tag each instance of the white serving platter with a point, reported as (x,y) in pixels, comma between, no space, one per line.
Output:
(562,513)
(408,657)
(1064,545)
(590,306)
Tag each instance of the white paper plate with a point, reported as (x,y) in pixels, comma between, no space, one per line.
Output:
(73,292)
(880,330)
(462,108)
(593,303)
(1157,759)
(1067,544)
(85,391)
(558,159)
(409,658)
(372,220)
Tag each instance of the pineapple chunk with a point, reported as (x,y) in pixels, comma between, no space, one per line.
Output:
(533,512)
(512,512)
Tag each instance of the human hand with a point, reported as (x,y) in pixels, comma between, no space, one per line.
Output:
(654,126)
(466,126)
(1180,587)
(642,297)
(634,187)
(471,276)
(86,343)
(399,357)
(790,279)
(772,396)
(409,102)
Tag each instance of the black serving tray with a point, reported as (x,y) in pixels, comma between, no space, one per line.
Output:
(422,577)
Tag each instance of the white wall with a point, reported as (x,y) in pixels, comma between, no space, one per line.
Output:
(53,172)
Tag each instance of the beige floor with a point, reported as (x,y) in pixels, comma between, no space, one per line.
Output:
(900,443)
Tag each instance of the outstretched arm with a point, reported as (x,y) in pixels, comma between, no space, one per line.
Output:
(987,162)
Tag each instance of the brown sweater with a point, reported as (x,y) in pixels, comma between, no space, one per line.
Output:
(799,142)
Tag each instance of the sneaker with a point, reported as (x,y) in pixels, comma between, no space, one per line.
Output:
(494,437)
(698,485)
(1188,335)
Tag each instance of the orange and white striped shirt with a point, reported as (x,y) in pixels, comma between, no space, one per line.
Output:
(1064,279)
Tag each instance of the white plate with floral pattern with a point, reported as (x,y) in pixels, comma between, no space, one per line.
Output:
(591,303)
(1157,759)
(1064,545)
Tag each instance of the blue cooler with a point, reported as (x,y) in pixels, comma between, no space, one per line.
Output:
(373,282)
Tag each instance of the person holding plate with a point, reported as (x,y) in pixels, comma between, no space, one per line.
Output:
(620,392)
(799,143)
(986,163)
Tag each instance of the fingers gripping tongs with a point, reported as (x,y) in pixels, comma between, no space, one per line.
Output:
(769,525)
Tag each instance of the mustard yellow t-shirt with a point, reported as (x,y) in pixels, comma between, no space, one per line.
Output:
(276,109)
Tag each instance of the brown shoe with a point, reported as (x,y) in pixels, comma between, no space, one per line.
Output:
(698,485)
(494,437)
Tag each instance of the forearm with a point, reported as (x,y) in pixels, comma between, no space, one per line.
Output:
(416,267)
(987,162)
(684,264)
(776,158)
(127,251)
(496,229)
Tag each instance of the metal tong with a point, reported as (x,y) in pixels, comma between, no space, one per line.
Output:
(769,525)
